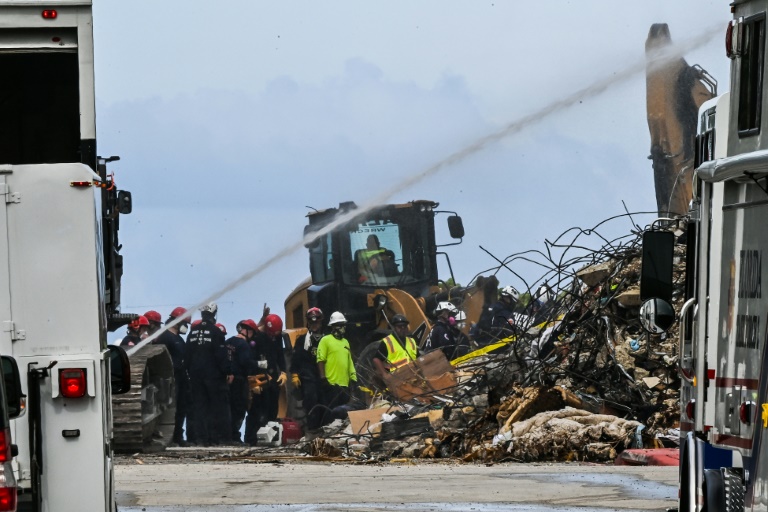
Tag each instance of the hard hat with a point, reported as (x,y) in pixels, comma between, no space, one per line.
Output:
(446,306)
(399,319)
(509,291)
(177,312)
(210,308)
(196,323)
(273,325)
(337,318)
(314,314)
(247,324)
(153,316)
(136,324)
(222,328)
(461,316)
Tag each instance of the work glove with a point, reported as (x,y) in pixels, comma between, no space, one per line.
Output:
(295,380)
(282,378)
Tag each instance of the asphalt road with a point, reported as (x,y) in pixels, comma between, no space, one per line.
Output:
(447,487)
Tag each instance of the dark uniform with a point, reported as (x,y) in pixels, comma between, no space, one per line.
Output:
(441,337)
(493,323)
(240,354)
(130,340)
(304,363)
(208,365)
(267,359)
(175,345)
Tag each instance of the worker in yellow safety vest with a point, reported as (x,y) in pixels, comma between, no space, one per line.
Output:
(396,350)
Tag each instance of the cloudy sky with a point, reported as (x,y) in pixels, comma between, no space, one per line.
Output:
(231,118)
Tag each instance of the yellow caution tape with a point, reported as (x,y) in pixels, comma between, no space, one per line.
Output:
(482,351)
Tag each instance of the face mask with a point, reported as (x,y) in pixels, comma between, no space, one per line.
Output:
(451,321)
(338,332)
(183,329)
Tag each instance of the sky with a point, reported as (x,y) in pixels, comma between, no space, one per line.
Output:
(232,118)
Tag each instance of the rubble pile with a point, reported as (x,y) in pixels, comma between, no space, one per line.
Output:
(578,380)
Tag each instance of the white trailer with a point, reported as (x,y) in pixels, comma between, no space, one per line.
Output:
(59,265)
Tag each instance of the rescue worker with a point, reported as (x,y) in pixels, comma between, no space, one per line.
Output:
(498,320)
(240,353)
(463,344)
(396,350)
(442,336)
(337,371)
(155,321)
(305,376)
(210,373)
(173,341)
(267,375)
(137,331)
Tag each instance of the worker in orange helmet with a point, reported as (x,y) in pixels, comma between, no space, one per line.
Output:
(267,361)
(138,329)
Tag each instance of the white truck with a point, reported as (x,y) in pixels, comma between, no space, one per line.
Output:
(723,323)
(59,263)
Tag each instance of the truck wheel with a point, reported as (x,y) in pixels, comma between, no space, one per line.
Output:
(714,491)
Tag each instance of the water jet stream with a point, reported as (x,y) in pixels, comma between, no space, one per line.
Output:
(657,58)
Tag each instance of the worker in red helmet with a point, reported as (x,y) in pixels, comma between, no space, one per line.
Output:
(138,329)
(171,338)
(240,353)
(155,321)
(268,364)
(305,376)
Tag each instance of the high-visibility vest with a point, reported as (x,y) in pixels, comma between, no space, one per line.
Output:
(398,356)
(366,255)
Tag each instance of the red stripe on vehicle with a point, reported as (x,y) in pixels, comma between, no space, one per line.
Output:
(736,442)
(727,382)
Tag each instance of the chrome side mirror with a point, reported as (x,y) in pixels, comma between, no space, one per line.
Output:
(657,316)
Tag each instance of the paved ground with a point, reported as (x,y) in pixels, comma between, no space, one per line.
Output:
(288,485)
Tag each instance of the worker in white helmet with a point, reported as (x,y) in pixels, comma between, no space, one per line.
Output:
(337,371)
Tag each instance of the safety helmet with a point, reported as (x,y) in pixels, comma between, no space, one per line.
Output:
(446,306)
(247,324)
(210,308)
(461,316)
(509,291)
(136,324)
(314,314)
(273,324)
(177,312)
(196,323)
(153,316)
(337,318)
(222,328)
(399,319)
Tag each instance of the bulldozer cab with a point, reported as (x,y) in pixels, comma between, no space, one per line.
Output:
(390,246)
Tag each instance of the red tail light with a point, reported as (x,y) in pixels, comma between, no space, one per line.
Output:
(72,382)
(8,499)
(745,412)
(5,445)
(8,488)
(50,14)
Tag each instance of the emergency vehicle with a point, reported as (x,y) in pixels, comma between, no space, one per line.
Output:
(723,322)
(60,265)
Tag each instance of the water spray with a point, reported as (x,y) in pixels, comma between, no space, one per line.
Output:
(650,60)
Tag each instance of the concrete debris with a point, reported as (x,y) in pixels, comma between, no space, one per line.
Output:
(578,380)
